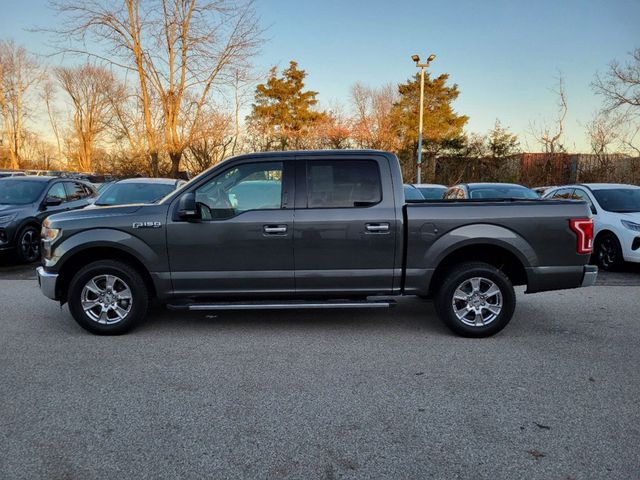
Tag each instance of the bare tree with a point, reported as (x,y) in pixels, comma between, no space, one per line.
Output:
(91,89)
(548,135)
(373,123)
(603,132)
(243,85)
(128,127)
(19,75)
(334,130)
(620,86)
(48,97)
(215,142)
(180,49)
(36,152)
(631,140)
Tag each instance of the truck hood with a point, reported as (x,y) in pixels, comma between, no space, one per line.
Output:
(98,212)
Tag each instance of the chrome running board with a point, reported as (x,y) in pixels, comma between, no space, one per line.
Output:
(284,305)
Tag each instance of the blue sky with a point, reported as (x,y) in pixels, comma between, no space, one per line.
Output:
(504,55)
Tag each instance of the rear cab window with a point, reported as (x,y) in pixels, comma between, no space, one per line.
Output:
(343,183)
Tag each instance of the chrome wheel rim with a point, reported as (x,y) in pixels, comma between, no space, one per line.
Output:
(30,245)
(477,301)
(106,299)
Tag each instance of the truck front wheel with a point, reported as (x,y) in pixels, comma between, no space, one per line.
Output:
(475,300)
(108,297)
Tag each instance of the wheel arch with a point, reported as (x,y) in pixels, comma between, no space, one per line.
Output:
(603,232)
(28,222)
(494,254)
(80,258)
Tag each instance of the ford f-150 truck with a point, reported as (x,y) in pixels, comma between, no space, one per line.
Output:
(316,229)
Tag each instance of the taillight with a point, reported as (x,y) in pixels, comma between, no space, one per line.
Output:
(583,228)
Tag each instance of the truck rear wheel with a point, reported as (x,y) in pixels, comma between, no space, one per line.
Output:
(475,300)
(108,297)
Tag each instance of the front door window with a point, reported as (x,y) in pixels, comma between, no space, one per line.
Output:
(251,186)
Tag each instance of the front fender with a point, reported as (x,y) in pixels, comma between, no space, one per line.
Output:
(106,237)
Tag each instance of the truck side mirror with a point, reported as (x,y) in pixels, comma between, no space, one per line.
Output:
(187,207)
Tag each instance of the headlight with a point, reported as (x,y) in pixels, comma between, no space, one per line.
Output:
(7,218)
(630,225)
(50,234)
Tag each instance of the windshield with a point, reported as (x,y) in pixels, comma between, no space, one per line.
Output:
(432,193)
(20,192)
(502,192)
(619,200)
(126,193)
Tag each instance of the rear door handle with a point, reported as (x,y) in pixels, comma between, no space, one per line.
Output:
(377,227)
(275,229)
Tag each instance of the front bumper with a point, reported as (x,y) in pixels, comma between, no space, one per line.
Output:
(47,282)
(631,247)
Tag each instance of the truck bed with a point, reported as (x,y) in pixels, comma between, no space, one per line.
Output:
(536,232)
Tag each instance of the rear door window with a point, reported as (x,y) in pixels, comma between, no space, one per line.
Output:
(343,183)
(75,191)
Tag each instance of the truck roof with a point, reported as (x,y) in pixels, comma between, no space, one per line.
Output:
(289,154)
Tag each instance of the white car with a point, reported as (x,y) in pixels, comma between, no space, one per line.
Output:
(616,219)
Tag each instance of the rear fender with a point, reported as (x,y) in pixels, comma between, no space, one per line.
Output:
(480,234)
(419,277)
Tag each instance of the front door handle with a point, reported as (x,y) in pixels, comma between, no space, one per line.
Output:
(275,229)
(377,227)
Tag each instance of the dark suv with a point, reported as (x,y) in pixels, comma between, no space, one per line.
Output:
(26,201)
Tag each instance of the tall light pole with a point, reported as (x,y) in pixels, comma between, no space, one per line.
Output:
(421,66)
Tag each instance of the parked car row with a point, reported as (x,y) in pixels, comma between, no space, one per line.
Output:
(26,200)
(468,191)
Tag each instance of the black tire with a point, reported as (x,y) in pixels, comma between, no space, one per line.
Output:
(608,252)
(28,244)
(493,320)
(100,271)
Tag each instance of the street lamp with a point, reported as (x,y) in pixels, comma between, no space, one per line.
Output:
(421,66)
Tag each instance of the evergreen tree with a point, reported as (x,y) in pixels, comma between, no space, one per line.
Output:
(282,114)
(500,142)
(442,127)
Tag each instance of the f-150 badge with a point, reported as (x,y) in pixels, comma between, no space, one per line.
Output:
(147,224)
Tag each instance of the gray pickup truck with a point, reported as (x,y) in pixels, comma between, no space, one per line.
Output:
(316,229)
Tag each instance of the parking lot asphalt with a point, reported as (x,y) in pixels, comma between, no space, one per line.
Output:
(353,394)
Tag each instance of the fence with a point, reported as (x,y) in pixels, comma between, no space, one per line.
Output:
(538,169)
